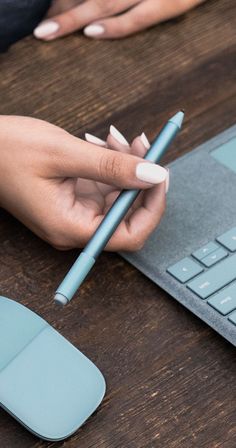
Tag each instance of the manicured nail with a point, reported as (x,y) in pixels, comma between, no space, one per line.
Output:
(95,140)
(145,141)
(167,180)
(94,30)
(45,29)
(118,136)
(151,173)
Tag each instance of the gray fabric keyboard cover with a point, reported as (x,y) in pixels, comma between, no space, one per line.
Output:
(201,205)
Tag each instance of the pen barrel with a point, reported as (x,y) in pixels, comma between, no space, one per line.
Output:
(115,215)
(162,142)
(76,275)
(110,223)
(127,197)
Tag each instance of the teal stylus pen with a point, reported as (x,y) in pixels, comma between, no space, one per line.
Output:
(117,212)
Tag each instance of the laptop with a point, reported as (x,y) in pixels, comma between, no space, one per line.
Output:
(192,253)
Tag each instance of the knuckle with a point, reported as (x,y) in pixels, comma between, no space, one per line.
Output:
(137,22)
(110,166)
(51,142)
(136,243)
(139,245)
(71,20)
(123,28)
(106,6)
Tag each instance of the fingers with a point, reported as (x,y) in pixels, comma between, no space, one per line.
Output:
(76,158)
(139,147)
(59,6)
(149,207)
(114,27)
(143,15)
(76,225)
(108,19)
(80,16)
(130,235)
(95,140)
(117,142)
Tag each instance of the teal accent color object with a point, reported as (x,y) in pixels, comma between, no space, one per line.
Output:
(214,257)
(46,383)
(216,278)
(232,318)
(205,250)
(228,239)
(224,301)
(185,269)
(76,275)
(226,154)
(114,216)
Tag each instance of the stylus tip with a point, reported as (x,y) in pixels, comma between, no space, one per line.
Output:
(59,299)
(178,119)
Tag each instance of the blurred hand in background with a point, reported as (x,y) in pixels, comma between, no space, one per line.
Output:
(108,19)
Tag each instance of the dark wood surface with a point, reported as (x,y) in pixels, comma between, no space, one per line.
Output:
(170,378)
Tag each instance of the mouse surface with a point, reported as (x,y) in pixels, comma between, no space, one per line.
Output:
(46,383)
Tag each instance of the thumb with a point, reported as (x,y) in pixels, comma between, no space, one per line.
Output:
(77,158)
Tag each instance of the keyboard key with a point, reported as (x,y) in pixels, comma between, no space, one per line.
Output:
(213,258)
(232,318)
(224,301)
(228,239)
(205,250)
(215,278)
(185,269)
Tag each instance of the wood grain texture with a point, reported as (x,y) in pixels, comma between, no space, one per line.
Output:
(171,379)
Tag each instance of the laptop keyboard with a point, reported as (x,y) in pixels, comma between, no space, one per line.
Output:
(210,273)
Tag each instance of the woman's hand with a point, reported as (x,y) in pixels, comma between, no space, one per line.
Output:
(106,19)
(61,187)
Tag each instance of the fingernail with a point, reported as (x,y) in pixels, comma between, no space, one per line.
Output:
(145,141)
(45,29)
(94,30)
(118,136)
(95,140)
(167,180)
(151,173)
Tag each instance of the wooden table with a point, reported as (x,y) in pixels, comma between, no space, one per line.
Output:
(170,378)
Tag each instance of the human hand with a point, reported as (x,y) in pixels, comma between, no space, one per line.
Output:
(108,19)
(61,187)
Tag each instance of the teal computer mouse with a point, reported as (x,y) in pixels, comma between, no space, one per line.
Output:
(46,383)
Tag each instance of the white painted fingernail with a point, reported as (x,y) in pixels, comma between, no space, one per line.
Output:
(167,180)
(95,140)
(145,141)
(94,30)
(118,136)
(45,29)
(151,173)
